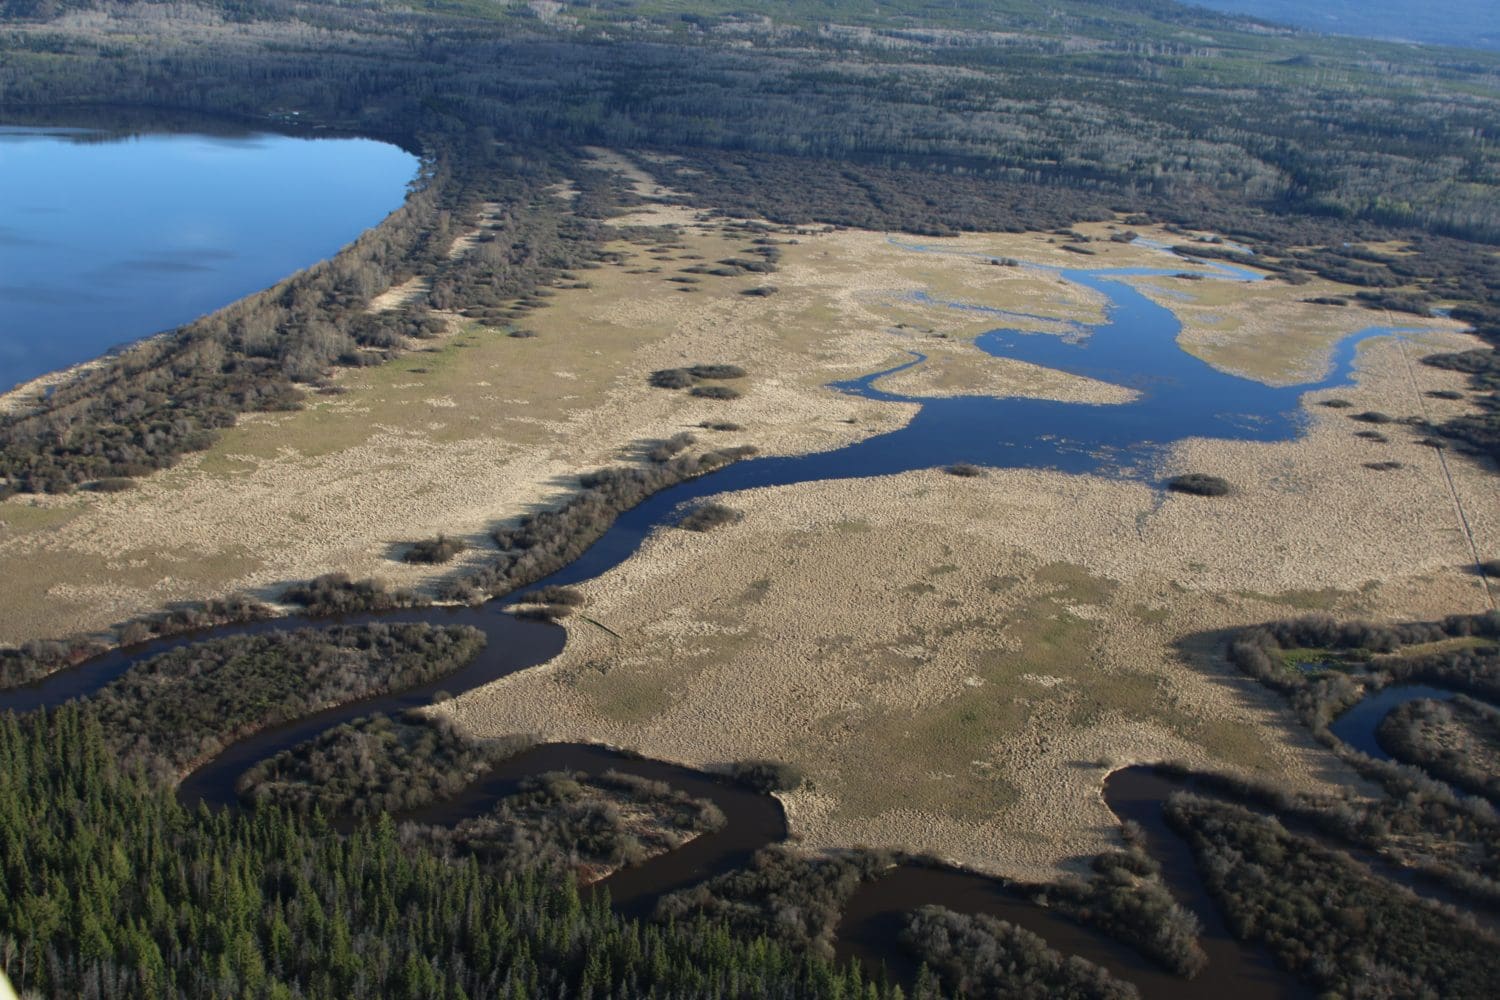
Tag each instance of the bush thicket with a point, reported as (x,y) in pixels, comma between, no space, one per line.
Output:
(1198,484)
(184,706)
(980,956)
(374,765)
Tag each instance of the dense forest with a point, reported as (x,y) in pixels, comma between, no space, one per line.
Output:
(113,889)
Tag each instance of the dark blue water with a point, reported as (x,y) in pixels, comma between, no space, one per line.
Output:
(1178,396)
(107,240)
(1470,24)
(1357,726)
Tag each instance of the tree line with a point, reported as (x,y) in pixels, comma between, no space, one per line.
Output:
(113,889)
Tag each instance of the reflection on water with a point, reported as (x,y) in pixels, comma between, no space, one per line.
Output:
(1178,396)
(104,240)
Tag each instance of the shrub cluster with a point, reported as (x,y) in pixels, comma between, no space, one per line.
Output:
(1198,484)
(1325,917)
(373,765)
(184,706)
(1457,741)
(34,660)
(721,392)
(708,516)
(688,378)
(541,544)
(1127,899)
(566,597)
(433,550)
(667,448)
(980,956)
(337,594)
(716,371)
(1420,820)
(766,776)
(783,896)
(586,824)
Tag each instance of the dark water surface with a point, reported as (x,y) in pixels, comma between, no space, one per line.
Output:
(106,239)
(1358,726)
(1177,396)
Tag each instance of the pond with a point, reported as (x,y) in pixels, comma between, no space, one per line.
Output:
(105,239)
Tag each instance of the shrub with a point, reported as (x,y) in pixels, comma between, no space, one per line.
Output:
(565,596)
(1337,404)
(716,392)
(664,450)
(981,956)
(434,550)
(185,705)
(336,594)
(1373,417)
(375,764)
(720,425)
(544,612)
(1490,568)
(542,543)
(1198,484)
(1327,919)
(716,371)
(1127,899)
(766,776)
(782,896)
(964,469)
(671,378)
(707,516)
(762,291)
(570,819)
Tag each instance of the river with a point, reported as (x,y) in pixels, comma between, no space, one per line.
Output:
(1177,395)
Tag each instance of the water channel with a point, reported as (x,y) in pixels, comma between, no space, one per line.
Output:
(1177,395)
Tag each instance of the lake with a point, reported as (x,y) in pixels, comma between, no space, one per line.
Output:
(1471,24)
(106,239)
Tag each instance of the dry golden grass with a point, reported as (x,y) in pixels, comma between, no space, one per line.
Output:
(1267,330)
(479,425)
(953,662)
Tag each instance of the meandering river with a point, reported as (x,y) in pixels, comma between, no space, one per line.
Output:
(1177,395)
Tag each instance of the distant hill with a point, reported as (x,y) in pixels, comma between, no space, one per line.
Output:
(1472,24)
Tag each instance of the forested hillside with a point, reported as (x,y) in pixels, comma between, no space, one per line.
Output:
(1364,162)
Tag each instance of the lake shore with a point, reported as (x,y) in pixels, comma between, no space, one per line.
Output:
(478,427)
